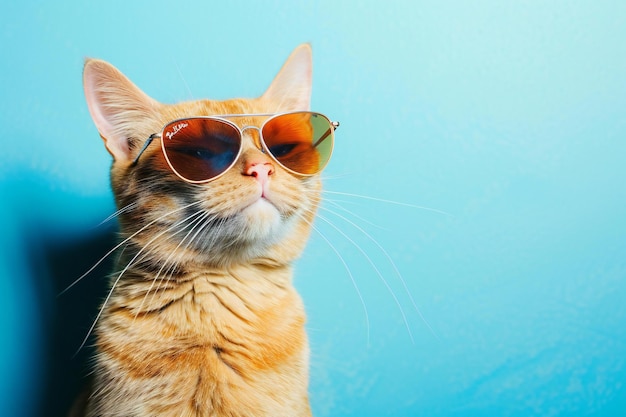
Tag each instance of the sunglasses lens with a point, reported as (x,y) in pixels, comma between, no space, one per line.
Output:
(301,142)
(200,149)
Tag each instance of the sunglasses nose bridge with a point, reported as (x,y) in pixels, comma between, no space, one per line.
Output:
(255,135)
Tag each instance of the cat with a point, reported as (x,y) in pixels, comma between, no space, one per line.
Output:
(202,318)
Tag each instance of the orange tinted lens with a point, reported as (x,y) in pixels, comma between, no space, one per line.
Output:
(301,142)
(200,149)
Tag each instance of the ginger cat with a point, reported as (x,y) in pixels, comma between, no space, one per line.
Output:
(202,318)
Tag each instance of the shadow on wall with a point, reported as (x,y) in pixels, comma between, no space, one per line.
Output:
(66,368)
(44,247)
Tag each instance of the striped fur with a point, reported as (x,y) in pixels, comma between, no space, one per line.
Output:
(202,318)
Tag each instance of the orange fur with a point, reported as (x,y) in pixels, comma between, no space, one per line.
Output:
(210,326)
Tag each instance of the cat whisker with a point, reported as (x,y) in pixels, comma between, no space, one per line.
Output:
(216,231)
(380,275)
(391,262)
(123,242)
(326,177)
(131,262)
(182,77)
(202,220)
(335,203)
(199,215)
(123,210)
(106,300)
(382,200)
(208,219)
(349,271)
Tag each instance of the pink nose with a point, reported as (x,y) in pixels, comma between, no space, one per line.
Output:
(259,170)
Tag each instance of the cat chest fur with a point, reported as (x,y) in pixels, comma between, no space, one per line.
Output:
(211,345)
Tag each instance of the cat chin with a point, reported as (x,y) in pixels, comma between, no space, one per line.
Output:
(261,220)
(249,234)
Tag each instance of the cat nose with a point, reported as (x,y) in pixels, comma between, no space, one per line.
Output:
(261,170)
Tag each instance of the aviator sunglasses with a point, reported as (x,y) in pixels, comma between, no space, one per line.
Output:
(200,149)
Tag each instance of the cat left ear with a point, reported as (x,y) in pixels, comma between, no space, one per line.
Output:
(291,89)
(117,106)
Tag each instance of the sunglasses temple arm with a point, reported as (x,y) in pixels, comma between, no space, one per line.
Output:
(145,145)
(326,134)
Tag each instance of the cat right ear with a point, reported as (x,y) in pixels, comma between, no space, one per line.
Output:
(116,106)
(291,88)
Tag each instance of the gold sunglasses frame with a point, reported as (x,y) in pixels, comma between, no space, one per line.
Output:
(263,146)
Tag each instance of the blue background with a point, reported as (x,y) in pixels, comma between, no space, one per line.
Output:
(507,116)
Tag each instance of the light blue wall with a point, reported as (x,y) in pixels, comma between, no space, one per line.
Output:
(506,115)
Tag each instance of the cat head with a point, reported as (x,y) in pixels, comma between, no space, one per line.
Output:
(256,210)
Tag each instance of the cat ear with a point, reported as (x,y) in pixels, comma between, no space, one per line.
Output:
(117,106)
(291,89)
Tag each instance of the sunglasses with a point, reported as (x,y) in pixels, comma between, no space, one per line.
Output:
(201,149)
